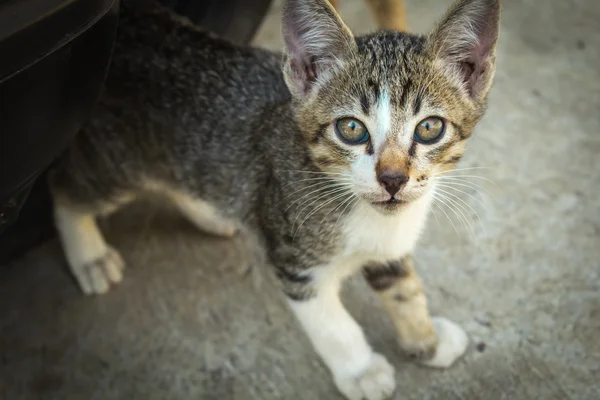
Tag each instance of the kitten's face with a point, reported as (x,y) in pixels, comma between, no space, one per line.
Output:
(389,124)
(388,113)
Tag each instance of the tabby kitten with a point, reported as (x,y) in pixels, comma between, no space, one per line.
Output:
(329,162)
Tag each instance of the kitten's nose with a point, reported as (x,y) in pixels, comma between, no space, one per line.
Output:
(393,181)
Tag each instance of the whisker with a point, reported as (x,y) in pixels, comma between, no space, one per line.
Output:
(468,176)
(458,198)
(319,197)
(463,192)
(320,178)
(354,198)
(356,201)
(316,184)
(310,201)
(437,221)
(465,183)
(319,172)
(311,213)
(460,169)
(473,185)
(459,213)
(333,186)
(320,206)
(336,207)
(466,212)
(446,214)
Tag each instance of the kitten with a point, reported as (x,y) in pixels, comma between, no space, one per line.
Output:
(329,162)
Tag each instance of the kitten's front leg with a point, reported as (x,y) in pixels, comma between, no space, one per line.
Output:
(358,372)
(436,342)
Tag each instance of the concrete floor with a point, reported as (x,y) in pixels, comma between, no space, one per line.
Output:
(197,318)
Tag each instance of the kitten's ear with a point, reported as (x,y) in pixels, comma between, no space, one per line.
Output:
(316,41)
(465,40)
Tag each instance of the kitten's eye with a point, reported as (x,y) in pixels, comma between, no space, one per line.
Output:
(430,130)
(351,131)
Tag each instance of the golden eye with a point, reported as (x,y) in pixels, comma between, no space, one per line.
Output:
(351,131)
(430,130)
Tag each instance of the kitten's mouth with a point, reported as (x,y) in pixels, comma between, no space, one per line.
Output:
(392,200)
(391,203)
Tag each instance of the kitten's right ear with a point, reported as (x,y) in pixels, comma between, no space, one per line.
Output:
(465,40)
(316,41)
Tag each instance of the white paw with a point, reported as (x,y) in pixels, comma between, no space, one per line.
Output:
(377,382)
(452,343)
(96,276)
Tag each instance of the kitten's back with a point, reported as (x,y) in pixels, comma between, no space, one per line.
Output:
(166,63)
(178,103)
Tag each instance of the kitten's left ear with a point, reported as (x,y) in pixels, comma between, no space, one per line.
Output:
(465,41)
(316,42)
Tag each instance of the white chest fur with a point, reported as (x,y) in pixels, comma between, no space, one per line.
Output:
(371,235)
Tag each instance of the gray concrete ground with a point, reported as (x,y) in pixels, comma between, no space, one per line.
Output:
(197,318)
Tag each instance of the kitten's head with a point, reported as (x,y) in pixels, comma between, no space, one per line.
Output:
(390,110)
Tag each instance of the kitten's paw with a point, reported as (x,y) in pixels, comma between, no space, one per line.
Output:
(377,382)
(220,227)
(95,277)
(419,344)
(452,343)
(226,228)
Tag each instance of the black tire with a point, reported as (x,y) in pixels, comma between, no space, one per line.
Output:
(47,90)
(234,20)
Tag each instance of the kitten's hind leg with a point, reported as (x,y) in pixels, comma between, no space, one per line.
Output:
(203,214)
(389,14)
(94,263)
